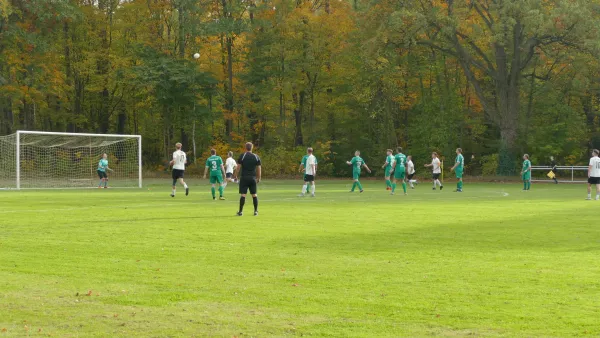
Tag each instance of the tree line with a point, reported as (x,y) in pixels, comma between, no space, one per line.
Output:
(495,77)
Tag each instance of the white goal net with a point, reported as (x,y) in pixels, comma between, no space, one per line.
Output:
(45,160)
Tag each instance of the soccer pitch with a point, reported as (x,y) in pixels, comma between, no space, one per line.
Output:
(492,261)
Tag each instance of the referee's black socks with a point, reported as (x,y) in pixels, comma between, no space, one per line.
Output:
(255,201)
(242,202)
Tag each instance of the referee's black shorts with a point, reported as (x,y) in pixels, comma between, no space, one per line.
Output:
(248,183)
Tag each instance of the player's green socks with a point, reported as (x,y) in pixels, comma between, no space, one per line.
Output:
(404,186)
(528,185)
(524,185)
(359,186)
(393,187)
(388,183)
(353,186)
(212,190)
(221,191)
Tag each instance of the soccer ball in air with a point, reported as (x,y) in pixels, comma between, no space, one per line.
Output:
(197,55)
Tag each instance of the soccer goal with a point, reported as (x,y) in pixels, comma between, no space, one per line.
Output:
(48,160)
(566,174)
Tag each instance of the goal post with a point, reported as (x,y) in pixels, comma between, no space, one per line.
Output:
(52,160)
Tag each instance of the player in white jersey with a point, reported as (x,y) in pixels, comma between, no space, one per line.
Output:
(436,169)
(594,175)
(230,165)
(410,170)
(310,171)
(178,162)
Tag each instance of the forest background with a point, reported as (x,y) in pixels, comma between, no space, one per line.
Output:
(496,77)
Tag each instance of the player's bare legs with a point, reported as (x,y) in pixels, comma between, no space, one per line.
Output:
(313,189)
(182,182)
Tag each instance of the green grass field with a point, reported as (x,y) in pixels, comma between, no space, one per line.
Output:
(492,261)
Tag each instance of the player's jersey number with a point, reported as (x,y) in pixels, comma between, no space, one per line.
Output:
(214,165)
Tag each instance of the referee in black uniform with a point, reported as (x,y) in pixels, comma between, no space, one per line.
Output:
(249,164)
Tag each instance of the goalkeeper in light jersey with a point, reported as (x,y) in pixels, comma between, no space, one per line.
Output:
(526,172)
(102,168)
(357,163)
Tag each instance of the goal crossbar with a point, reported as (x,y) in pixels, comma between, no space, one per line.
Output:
(20,145)
(75,134)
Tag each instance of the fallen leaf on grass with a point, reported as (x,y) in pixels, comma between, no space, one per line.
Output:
(295,284)
(3,329)
(116,315)
(89,293)
(437,316)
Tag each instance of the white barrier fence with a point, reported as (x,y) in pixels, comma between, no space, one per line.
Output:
(560,177)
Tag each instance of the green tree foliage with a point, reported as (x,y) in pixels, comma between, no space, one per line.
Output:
(497,78)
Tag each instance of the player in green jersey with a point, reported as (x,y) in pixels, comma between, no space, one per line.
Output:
(458,168)
(217,172)
(388,166)
(526,172)
(357,164)
(102,168)
(399,170)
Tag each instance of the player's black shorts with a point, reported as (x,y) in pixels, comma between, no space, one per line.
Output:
(247,183)
(177,174)
(594,180)
(436,176)
(410,177)
(101,174)
(228,175)
(309,178)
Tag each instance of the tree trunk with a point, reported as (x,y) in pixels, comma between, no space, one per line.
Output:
(181,19)
(184,140)
(254,119)
(121,120)
(298,109)
(229,98)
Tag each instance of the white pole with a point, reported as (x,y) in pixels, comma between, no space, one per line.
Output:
(18,159)
(140,161)
(572,175)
